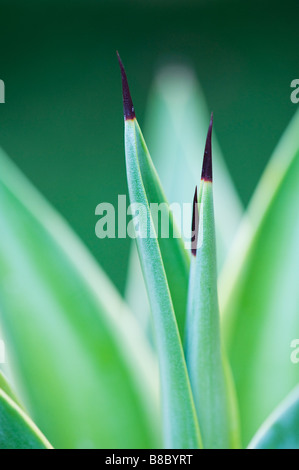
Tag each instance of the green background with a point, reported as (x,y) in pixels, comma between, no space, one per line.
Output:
(62,121)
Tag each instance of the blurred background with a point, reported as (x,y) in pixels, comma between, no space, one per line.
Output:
(62,122)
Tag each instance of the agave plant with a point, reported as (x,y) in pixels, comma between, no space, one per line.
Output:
(195,369)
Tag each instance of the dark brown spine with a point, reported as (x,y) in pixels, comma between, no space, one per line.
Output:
(207,173)
(195,222)
(129,112)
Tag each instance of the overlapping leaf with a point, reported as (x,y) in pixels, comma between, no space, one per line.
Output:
(206,364)
(180,423)
(176,125)
(179,417)
(175,128)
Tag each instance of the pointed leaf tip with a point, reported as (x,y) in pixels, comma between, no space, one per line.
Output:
(129,111)
(194,227)
(207,173)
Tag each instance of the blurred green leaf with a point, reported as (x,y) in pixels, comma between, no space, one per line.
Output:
(17,431)
(281,430)
(179,417)
(83,365)
(5,386)
(259,289)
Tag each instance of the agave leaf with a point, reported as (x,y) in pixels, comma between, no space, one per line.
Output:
(78,356)
(176,120)
(5,386)
(281,429)
(175,127)
(17,431)
(204,355)
(179,417)
(259,289)
(176,259)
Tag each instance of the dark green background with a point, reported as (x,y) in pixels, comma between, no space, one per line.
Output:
(62,121)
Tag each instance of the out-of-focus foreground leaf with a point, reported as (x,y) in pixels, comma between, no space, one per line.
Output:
(17,431)
(204,354)
(281,429)
(259,289)
(78,357)
(179,417)
(6,387)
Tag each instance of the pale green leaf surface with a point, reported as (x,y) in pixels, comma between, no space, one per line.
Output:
(135,290)
(179,417)
(204,353)
(176,259)
(79,358)
(281,429)
(17,431)
(259,289)
(136,295)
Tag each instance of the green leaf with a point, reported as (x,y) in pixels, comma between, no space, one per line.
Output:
(136,294)
(17,431)
(5,386)
(281,429)
(180,423)
(86,372)
(204,355)
(179,416)
(175,129)
(259,289)
(176,259)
